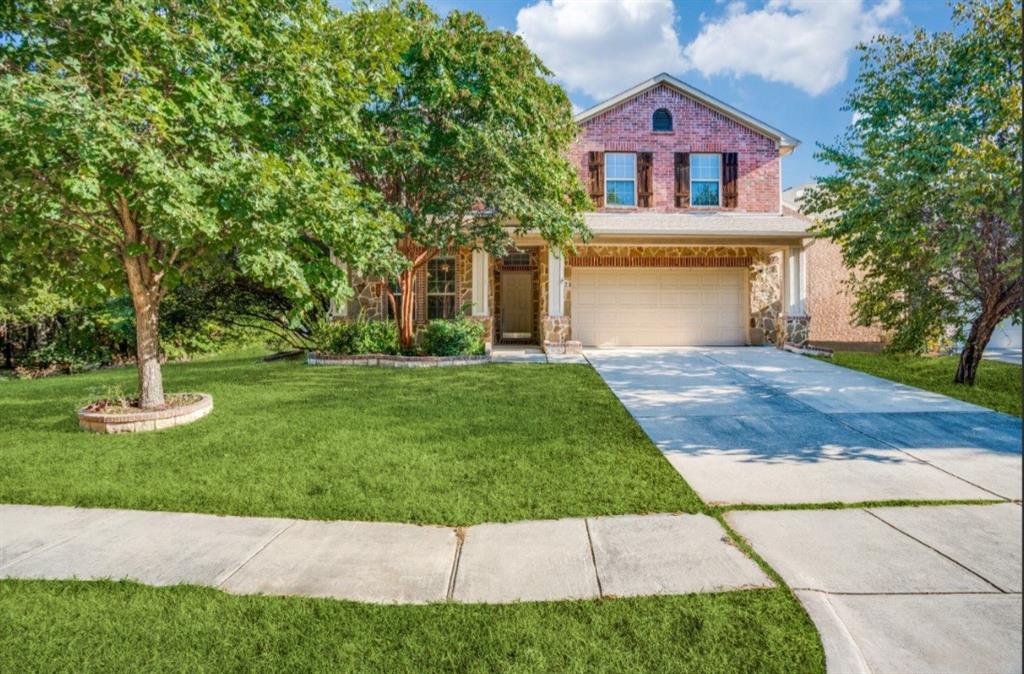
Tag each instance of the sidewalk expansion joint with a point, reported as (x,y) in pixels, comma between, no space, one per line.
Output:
(460,539)
(593,557)
(219,582)
(935,550)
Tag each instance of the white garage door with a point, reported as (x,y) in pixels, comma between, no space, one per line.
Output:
(659,307)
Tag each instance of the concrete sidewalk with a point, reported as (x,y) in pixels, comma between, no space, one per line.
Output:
(378,562)
(912,589)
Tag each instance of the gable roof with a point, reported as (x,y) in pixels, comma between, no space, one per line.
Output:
(785,142)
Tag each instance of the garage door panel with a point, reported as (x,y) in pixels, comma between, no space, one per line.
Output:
(659,307)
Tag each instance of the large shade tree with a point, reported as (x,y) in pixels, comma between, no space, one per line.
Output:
(926,195)
(468,147)
(144,140)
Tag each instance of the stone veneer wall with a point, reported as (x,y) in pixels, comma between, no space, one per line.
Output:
(766,300)
(464,280)
(798,330)
(540,293)
(370,299)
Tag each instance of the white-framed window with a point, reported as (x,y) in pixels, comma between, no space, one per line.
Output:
(619,179)
(441,288)
(705,179)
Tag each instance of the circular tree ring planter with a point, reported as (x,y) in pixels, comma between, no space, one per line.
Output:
(140,421)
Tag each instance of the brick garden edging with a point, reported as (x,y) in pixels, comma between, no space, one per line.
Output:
(137,422)
(382,360)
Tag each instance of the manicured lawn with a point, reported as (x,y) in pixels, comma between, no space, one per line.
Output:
(997,386)
(123,627)
(444,446)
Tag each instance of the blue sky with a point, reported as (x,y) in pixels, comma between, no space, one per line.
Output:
(787,62)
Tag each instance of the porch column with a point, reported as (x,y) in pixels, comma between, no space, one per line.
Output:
(481,284)
(795,285)
(556,283)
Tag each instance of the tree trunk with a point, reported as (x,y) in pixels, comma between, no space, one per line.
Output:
(146,301)
(406,332)
(981,332)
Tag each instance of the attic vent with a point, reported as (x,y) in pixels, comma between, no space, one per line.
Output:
(662,120)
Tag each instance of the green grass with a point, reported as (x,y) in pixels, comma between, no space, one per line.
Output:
(997,385)
(124,627)
(442,446)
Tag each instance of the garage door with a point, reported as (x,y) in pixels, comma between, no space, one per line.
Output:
(659,307)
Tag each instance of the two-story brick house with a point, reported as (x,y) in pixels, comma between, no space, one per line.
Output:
(690,243)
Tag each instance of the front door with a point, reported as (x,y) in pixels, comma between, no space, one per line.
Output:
(516,305)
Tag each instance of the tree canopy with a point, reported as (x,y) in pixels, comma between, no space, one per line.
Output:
(925,199)
(141,140)
(469,146)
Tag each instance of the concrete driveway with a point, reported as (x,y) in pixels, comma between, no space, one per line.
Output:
(759,425)
(899,589)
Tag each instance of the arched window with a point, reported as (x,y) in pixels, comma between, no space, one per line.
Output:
(662,120)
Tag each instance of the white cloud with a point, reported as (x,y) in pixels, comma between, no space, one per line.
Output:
(805,43)
(602,48)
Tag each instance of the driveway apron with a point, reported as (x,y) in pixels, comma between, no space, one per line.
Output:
(896,589)
(759,425)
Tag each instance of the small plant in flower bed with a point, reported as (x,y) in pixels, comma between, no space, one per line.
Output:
(115,400)
(455,337)
(358,337)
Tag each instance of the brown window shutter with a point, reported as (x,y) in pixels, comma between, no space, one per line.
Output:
(730,172)
(682,179)
(597,178)
(645,179)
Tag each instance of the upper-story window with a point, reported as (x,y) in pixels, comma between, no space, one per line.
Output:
(620,178)
(662,120)
(705,179)
(441,288)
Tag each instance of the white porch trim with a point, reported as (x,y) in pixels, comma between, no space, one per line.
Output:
(481,283)
(556,283)
(794,286)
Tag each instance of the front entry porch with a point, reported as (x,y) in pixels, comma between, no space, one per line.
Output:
(516,287)
(643,294)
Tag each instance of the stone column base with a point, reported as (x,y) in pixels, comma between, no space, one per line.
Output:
(555,329)
(797,330)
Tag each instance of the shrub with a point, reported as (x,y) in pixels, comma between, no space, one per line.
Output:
(458,337)
(358,337)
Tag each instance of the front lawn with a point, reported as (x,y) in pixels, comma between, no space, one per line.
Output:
(997,386)
(124,627)
(442,446)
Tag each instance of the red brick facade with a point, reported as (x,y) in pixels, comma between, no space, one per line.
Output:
(695,128)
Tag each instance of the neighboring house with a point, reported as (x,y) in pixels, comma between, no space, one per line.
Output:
(691,245)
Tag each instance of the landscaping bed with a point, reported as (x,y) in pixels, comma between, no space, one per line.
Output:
(450,446)
(998,385)
(121,626)
(385,360)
